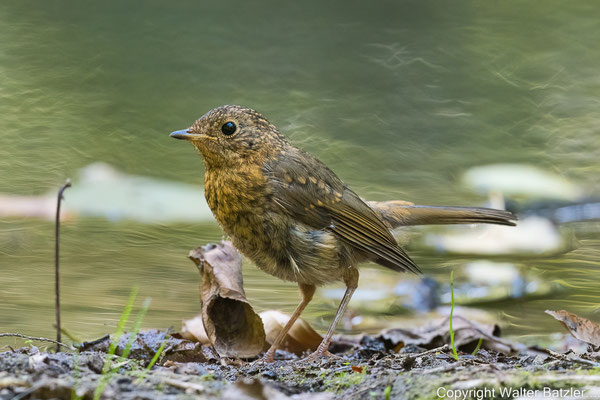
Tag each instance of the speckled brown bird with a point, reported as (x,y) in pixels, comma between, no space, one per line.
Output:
(294,218)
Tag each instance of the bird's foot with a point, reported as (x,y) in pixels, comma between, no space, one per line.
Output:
(267,358)
(318,354)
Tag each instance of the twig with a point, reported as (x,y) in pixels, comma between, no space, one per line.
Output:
(117,366)
(56,269)
(196,387)
(441,349)
(41,339)
(565,357)
(86,345)
(456,366)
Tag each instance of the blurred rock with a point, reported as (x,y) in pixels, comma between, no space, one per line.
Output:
(520,180)
(488,281)
(104,192)
(422,296)
(532,236)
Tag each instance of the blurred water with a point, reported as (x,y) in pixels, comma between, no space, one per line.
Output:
(398,97)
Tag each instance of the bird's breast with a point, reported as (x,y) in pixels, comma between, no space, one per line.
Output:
(237,198)
(243,204)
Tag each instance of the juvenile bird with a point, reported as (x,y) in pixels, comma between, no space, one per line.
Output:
(294,218)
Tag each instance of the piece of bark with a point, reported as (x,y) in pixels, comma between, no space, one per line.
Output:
(581,328)
(232,326)
(300,337)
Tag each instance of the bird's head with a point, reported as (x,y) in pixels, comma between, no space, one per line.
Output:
(230,134)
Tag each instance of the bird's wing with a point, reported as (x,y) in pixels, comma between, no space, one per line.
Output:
(312,194)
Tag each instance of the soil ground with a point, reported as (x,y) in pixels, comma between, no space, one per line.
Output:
(368,372)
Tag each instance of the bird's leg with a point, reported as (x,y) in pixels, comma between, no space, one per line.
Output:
(351,281)
(307,292)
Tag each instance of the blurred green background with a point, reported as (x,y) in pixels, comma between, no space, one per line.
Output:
(398,97)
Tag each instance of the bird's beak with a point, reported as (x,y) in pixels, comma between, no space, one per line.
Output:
(186,135)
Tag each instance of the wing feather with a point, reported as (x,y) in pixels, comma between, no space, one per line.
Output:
(312,194)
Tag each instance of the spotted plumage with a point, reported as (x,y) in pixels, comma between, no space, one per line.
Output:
(292,216)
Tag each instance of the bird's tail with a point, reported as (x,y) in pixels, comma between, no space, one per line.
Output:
(401,213)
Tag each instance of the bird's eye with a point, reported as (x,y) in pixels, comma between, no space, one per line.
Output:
(228,128)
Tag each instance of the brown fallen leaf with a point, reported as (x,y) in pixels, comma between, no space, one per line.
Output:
(581,328)
(232,326)
(357,368)
(300,337)
(436,334)
(193,329)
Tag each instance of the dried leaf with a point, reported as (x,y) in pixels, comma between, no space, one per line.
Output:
(582,328)
(300,337)
(357,369)
(232,326)
(466,336)
(193,329)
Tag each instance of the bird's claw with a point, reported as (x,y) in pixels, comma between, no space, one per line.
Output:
(267,358)
(317,355)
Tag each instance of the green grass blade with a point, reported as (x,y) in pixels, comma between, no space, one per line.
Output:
(136,328)
(154,359)
(387,392)
(123,321)
(107,373)
(454,352)
(478,346)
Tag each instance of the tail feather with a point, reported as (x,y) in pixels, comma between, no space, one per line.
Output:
(401,213)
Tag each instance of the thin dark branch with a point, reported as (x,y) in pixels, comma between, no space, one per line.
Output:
(86,345)
(56,269)
(41,339)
